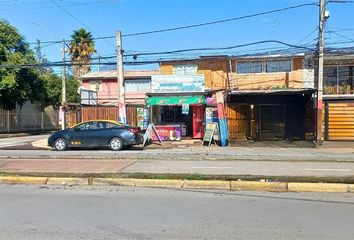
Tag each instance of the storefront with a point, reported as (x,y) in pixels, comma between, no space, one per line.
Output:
(177,106)
(268,115)
(178,115)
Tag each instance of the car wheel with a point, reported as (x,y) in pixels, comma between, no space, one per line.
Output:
(116,144)
(60,144)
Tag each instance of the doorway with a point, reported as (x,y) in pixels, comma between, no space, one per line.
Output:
(198,121)
(272,122)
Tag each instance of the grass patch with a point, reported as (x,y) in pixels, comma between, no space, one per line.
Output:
(194,176)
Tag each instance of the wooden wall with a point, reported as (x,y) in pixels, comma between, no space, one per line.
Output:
(237,120)
(86,113)
(214,71)
(293,79)
(217,75)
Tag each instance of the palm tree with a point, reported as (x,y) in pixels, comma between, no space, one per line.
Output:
(82,47)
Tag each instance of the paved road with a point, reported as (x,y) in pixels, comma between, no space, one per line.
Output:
(20,141)
(29,212)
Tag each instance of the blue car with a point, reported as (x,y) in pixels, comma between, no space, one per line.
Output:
(96,133)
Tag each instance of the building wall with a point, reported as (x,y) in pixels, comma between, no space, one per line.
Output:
(218,76)
(293,79)
(108,88)
(214,71)
(108,92)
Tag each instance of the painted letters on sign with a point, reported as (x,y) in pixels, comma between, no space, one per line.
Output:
(177,83)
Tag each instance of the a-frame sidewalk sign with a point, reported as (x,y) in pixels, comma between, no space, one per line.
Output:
(209,133)
(148,134)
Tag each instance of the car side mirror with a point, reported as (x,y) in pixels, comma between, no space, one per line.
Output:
(76,129)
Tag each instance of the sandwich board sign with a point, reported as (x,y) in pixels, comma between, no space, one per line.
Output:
(148,134)
(209,133)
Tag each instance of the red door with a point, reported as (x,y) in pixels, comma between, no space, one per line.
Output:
(198,121)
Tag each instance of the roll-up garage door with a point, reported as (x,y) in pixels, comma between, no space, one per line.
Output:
(340,120)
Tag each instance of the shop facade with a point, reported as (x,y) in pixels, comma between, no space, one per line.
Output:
(105,86)
(177,106)
(271,115)
(338,97)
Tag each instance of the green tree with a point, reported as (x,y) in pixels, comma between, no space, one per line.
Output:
(82,46)
(52,89)
(17,84)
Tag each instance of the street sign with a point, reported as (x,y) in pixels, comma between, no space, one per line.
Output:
(209,133)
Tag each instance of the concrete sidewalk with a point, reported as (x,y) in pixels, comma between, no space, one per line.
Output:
(329,161)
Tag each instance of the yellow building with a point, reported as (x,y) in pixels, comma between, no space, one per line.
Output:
(267,97)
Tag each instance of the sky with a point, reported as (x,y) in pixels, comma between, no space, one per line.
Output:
(44,20)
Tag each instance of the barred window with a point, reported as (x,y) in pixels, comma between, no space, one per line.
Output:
(278,66)
(249,67)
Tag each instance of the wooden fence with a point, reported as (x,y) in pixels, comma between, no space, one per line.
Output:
(85,113)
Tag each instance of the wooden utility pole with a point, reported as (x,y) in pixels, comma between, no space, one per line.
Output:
(319,104)
(63,84)
(120,79)
(63,76)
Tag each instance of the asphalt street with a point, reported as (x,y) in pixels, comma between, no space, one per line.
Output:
(35,212)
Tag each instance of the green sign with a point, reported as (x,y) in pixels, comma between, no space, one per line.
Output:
(175,100)
(209,132)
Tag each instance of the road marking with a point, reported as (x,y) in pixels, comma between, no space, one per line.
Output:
(329,169)
(214,167)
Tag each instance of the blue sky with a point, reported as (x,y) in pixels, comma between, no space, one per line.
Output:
(41,19)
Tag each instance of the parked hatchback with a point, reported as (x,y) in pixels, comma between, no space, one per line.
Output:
(97,133)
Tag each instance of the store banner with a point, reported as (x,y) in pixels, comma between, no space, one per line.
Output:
(177,83)
(175,100)
(185,109)
(168,133)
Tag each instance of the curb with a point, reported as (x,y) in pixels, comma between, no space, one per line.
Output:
(184,184)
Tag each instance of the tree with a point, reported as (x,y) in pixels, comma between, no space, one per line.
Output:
(52,89)
(17,84)
(82,47)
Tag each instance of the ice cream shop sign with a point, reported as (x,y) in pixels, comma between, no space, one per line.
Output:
(177,83)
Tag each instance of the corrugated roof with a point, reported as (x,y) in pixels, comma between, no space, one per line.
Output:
(127,74)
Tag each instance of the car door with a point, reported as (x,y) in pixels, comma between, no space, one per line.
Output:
(99,135)
(79,136)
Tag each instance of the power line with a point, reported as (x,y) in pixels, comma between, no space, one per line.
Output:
(75,18)
(43,7)
(219,21)
(342,36)
(340,1)
(186,26)
(220,48)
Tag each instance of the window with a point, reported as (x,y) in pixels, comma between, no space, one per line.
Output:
(249,67)
(95,85)
(338,80)
(278,66)
(186,69)
(137,85)
(87,126)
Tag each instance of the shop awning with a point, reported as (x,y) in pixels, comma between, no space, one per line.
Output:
(175,100)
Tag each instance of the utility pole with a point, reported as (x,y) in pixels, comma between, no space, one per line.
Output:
(120,79)
(99,62)
(322,19)
(63,84)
